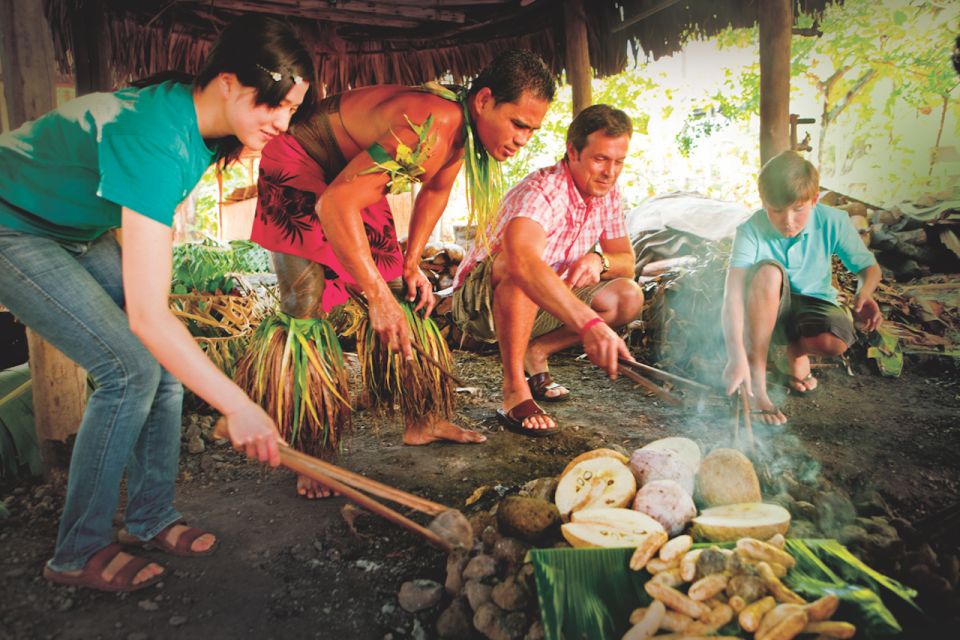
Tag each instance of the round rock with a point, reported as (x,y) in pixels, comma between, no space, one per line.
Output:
(417,595)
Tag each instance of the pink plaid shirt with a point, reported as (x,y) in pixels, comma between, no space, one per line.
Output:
(573,225)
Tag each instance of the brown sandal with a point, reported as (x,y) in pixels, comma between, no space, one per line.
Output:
(513,419)
(92,574)
(542,382)
(182,547)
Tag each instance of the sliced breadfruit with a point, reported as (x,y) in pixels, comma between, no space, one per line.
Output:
(582,534)
(597,482)
(617,518)
(596,453)
(745,520)
(688,450)
(727,477)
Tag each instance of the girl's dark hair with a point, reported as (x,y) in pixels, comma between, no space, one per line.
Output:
(257,50)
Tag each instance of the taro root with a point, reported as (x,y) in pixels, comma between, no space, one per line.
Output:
(649,465)
(666,502)
(710,561)
(748,587)
(687,449)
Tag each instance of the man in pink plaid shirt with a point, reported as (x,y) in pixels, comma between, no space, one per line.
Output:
(540,285)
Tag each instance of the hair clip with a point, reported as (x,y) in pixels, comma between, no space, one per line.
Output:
(277,76)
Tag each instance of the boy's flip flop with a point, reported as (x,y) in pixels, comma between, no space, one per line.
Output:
(791,382)
(513,419)
(542,382)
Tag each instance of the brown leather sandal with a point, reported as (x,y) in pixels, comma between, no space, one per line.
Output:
(513,419)
(92,574)
(542,382)
(180,548)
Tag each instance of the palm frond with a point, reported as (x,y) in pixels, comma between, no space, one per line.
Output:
(294,369)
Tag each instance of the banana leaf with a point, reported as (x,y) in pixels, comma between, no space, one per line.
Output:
(589,593)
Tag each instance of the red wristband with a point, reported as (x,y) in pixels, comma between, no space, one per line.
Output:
(586,327)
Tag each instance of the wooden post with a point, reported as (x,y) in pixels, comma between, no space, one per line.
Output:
(27,59)
(579,72)
(776,22)
(91,48)
(59,385)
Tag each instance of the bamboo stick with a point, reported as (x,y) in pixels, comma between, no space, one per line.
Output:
(663,375)
(650,386)
(358,481)
(339,474)
(746,415)
(362,499)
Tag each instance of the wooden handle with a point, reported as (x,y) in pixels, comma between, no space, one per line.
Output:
(646,384)
(296,464)
(663,375)
(329,470)
(429,358)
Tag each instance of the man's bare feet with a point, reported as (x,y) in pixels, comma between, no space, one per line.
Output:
(311,489)
(430,429)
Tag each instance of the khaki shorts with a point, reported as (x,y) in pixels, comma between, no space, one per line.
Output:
(473,305)
(802,316)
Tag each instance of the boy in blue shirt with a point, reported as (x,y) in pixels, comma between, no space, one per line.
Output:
(779,284)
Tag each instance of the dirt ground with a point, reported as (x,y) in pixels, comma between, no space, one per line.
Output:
(289,568)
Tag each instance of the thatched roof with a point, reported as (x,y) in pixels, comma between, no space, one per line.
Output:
(360,42)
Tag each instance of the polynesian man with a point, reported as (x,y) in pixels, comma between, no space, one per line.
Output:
(323,211)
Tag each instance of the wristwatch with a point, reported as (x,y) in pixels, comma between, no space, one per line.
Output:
(604,261)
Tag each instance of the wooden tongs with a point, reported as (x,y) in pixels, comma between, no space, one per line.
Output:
(632,370)
(448,530)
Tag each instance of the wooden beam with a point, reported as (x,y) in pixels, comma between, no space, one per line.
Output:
(59,385)
(26,54)
(776,21)
(401,10)
(579,72)
(91,48)
(643,15)
(312,11)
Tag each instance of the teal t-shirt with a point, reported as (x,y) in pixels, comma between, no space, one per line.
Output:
(807,256)
(67,174)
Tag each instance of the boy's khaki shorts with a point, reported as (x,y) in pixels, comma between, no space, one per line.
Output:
(802,316)
(472,305)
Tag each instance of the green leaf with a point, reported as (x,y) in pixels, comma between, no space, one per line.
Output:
(590,593)
(899,18)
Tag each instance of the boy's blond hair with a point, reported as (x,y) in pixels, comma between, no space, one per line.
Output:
(788,178)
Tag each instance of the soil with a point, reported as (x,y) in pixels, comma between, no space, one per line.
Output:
(291,568)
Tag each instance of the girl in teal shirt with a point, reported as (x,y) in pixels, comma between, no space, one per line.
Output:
(126,159)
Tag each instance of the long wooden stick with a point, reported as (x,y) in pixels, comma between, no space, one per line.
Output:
(329,470)
(746,414)
(429,358)
(362,499)
(663,375)
(339,474)
(736,418)
(650,386)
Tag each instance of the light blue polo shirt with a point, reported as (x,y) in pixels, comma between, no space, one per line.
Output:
(67,174)
(807,256)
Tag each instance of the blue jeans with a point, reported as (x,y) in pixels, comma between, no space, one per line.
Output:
(71,294)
